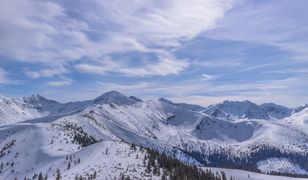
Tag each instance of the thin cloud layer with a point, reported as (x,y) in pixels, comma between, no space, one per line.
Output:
(3,77)
(57,33)
(59,83)
(279,23)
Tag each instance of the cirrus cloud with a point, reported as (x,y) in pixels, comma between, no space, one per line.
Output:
(60,83)
(3,77)
(57,33)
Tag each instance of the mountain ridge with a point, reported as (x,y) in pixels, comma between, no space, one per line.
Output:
(233,110)
(193,137)
(40,106)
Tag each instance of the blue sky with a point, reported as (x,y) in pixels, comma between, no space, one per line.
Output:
(197,51)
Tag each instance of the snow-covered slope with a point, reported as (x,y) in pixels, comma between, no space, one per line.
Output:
(233,110)
(300,108)
(76,142)
(92,141)
(299,118)
(18,109)
(55,152)
(14,110)
(115,98)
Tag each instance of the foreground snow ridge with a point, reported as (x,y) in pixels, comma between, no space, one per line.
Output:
(115,136)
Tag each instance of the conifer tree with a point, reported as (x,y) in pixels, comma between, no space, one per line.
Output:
(40,177)
(58,176)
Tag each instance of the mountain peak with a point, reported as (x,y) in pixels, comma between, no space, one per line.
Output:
(300,108)
(166,101)
(114,97)
(135,98)
(191,107)
(248,109)
(231,101)
(37,96)
(245,103)
(112,93)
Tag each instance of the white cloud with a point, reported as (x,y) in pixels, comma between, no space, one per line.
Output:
(46,32)
(163,67)
(165,20)
(267,23)
(93,69)
(60,83)
(208,77)
(38,31)
(102,67)
(218,63)
(3,77)
(52,71)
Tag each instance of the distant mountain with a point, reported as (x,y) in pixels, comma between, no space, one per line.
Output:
(300,108)
(233,110)
(116,98)
(14,110)
(300,117)
(106,136)
(275,111)
(18,109)
(134,98)
(191,107)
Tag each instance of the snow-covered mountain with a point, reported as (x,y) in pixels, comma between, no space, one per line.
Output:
(300,108)
(14,110)
(300,117)
(233,110)
(192,107)
(81,138)
(115,97)
(18,109)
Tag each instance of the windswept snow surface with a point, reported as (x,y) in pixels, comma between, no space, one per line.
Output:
(78,135)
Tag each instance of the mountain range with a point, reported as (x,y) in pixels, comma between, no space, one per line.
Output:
(39,135)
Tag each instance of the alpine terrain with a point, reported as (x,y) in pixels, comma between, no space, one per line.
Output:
(118,137)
